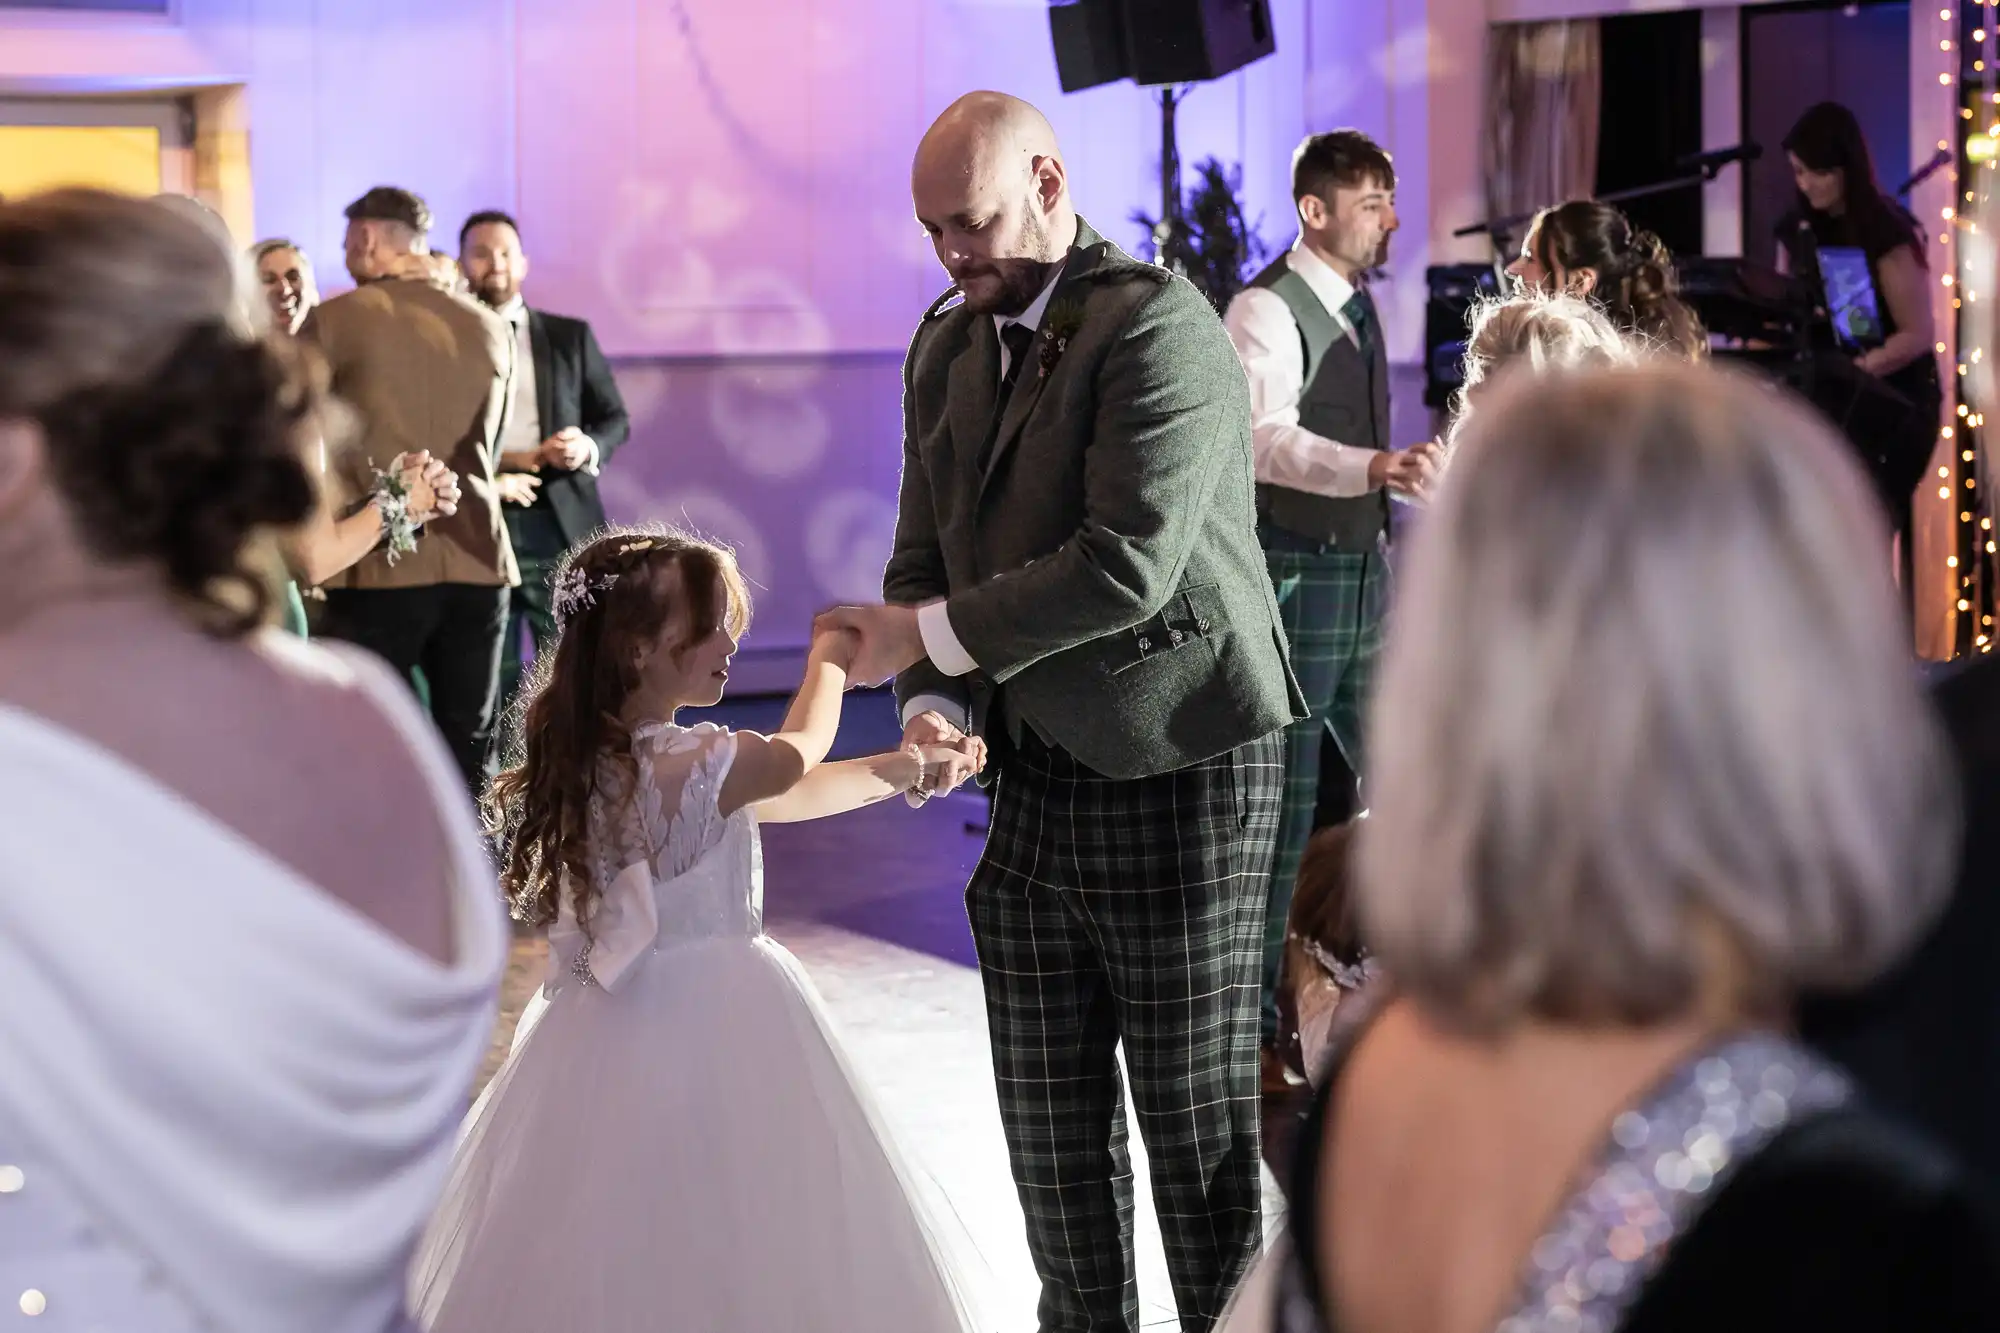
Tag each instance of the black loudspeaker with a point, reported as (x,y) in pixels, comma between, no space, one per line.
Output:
(1090,43)
(1187,41)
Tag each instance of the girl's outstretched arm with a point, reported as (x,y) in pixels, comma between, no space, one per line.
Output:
(834,789)
(769,766)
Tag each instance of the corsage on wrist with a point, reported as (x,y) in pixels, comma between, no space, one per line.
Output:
(392,499)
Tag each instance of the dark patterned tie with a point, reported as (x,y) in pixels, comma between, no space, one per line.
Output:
(1018,338)
(1360,315)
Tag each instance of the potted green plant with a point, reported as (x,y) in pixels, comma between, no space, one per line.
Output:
(1212,244)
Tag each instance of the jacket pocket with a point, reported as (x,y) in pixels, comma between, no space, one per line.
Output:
(1190,617)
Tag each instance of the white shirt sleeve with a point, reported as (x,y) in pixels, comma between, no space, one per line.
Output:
(951,710)
(1267,342)
(941,644)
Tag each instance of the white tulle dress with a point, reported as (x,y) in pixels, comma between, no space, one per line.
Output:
(675,1141)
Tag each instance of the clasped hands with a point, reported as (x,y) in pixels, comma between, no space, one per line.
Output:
(431,486)
(881,641)
(569,449)
(1407,472)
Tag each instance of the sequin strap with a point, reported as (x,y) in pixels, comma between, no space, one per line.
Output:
(1665,1160)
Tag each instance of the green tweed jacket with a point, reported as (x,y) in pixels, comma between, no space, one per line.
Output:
(1102,566)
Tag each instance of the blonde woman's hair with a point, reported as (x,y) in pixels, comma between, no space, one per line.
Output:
(1533,332)
(1646,687)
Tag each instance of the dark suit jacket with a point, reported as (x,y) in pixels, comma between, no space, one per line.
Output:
(574,387)
(1925,1040)
(1101,564)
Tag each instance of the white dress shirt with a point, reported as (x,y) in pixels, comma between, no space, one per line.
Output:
(1266,336)
(523,432)
(941,644)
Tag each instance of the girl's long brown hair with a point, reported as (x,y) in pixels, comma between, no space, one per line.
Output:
(568,719)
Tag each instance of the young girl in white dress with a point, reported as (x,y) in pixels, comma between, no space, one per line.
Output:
(677,1142)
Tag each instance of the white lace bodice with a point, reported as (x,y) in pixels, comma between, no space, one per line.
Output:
(669,868)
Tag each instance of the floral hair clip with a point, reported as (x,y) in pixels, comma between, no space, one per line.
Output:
(576,591)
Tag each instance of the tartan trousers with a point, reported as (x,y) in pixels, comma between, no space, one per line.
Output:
(1109,911)
(1331,605)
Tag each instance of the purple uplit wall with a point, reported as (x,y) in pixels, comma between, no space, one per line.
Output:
(794,461)
(721,188)
(707,177)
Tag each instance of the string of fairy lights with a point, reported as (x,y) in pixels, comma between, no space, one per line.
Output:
(1970,51)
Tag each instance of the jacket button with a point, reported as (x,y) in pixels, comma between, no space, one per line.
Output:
(1175,638)
(1201,625)
(1145,645)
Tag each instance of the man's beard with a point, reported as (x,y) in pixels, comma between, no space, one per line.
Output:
(1021,280)
(492,294)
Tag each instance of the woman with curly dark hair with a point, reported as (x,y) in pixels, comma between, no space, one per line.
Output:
(248,948)
(1588,249)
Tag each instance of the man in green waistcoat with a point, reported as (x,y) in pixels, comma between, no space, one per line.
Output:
(1311,345)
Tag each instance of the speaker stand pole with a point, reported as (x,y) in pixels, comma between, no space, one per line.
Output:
(1169,230)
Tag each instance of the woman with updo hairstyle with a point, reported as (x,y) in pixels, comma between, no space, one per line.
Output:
(248,939)
(1588,249)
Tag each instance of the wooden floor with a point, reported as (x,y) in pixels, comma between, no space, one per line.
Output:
(872,904)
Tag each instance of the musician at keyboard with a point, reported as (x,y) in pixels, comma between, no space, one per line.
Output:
(1841,207)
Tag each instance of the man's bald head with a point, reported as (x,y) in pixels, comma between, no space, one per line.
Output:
(991,191)
(986,132)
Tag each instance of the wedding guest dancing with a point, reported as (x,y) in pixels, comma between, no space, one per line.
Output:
(1529,334)
(675,1141)
(328,542)
(1591,250)
(286,276)
(1076,577)
(426,369)
(248,943)
(1312,347)
(1649,760)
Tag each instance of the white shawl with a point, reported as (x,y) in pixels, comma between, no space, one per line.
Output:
(244,1084)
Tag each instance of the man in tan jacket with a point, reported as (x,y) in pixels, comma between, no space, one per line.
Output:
(423,368)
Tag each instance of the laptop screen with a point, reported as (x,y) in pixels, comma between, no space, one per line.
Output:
(1850,297)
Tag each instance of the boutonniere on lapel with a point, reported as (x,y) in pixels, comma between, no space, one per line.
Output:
(1058,327)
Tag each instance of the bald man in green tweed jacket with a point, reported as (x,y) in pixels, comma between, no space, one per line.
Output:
(1076,577)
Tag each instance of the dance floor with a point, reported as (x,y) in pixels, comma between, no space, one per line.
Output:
(872,904)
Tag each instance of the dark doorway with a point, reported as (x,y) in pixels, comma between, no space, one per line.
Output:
(1650,120)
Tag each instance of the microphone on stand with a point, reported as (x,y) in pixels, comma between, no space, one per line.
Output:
(1939,161)
(1715,159)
